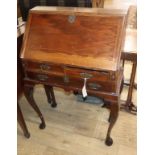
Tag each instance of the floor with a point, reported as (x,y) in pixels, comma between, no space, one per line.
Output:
(76,128)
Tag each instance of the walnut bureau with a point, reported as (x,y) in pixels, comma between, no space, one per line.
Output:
(77,49)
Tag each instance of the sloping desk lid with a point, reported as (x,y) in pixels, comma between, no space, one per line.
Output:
(84,37)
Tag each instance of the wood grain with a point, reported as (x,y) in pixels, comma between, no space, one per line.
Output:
(94,40)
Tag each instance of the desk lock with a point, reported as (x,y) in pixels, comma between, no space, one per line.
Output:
(71,18)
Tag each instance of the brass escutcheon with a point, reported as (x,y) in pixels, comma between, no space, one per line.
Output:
(44,67)
(71,18)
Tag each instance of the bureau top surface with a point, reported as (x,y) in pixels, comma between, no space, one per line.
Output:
(83,37)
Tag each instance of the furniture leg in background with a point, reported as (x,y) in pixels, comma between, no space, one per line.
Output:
(129,53)
(128,104)
(21,121)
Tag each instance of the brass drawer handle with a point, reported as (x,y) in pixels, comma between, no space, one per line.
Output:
(94,86)
(86,75)
(45,67)
(42,77)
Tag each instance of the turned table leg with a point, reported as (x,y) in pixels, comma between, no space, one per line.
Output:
(28,91)
(50,95)
(21,121)
(114,109)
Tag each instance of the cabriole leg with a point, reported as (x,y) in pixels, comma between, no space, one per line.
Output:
(54,104)
(50,95)
(114,109)
(28,91)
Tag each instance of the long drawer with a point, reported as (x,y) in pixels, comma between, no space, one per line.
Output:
(87,73)
(65,80)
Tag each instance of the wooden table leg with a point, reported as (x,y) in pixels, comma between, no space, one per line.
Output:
(129,106)
(114,110)
(50,95)
(28,91)
(21,121)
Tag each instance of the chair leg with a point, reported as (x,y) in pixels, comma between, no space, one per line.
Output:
(28,91)
(21,121)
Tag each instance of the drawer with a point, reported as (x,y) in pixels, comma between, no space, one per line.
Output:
(44,67)
(96,80)
(86,73)
(46,78)
(75,82)
(91,84)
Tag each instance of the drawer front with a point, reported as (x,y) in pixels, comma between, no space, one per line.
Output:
(75,82)
(90,84)
(46,78)
(44,67)
(85,73)
(58,75)
(96,80)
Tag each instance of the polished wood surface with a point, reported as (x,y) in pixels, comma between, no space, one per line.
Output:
(101,38)
(64,46)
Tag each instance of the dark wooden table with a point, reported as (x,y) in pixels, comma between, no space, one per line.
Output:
(130,54)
